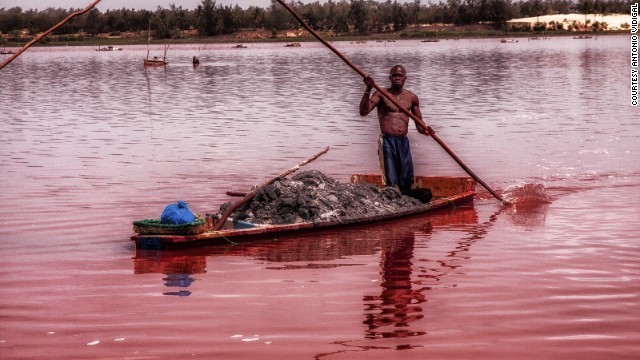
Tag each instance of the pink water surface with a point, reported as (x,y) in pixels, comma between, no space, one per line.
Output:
(92,141)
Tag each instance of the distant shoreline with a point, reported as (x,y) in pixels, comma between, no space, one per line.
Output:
(615,22)
(230,39)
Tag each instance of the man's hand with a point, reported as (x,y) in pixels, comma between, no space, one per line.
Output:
(428,132)
(368,80)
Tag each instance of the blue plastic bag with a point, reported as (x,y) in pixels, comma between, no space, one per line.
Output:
(177,214)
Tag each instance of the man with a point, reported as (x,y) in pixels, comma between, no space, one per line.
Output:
(393,145)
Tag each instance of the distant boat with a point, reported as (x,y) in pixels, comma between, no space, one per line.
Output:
(431,39)
(196,61)
(108,48)
(505,41)
(293,44)
(155,61)
(239,46)
(6,52)
(582,37)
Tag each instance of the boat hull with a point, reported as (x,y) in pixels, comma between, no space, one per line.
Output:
(151,62)
(448,192)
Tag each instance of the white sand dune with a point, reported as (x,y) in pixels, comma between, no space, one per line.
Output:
(614,21)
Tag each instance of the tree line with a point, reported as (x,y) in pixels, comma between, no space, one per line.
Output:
(339,17)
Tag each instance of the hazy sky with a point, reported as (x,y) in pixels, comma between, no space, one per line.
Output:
(119,4)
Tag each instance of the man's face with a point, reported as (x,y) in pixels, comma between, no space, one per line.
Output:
(398,77)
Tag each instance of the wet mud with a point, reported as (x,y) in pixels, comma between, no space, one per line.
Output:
(313,196)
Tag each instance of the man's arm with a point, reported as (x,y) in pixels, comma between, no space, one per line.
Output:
(368,102)
(415,109)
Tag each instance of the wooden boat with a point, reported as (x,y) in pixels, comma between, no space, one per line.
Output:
(155,61)
(109,48)
(447,192)
(293,44)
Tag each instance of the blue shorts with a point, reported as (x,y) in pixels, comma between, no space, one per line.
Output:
(396,162)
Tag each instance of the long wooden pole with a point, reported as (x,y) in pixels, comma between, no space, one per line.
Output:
(395,102)
(252,193)
(37,38)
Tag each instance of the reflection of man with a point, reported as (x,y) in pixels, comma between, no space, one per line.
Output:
(398,304)
(178,280)
(394,151)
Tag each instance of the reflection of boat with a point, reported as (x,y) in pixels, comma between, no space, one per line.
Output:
(108,48)
(149,262)
(239,46)
(293,44)
(447,192)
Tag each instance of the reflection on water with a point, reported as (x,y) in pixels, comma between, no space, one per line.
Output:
(178,269)
(180,281)
(390,314)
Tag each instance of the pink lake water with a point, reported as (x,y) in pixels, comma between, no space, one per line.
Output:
(91,141)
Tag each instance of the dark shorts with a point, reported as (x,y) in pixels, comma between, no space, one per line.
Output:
(396,162)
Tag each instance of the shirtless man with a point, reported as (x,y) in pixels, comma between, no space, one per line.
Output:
(393,145)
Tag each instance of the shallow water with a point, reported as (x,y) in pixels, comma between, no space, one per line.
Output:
(92,140)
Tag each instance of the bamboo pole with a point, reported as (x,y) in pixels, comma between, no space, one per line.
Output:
(396,103)
(250,195)
(39,37)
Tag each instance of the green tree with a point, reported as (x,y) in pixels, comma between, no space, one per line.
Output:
(278,18)
(399,17)
(12,19)
(207,18)
(358,16)
(586,7)
(93,22)
(415,13)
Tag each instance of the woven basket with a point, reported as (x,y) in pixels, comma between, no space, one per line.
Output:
(155,227)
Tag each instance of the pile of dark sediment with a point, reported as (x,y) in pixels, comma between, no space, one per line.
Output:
(312,196)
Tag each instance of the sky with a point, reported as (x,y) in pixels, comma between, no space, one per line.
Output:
(119,4)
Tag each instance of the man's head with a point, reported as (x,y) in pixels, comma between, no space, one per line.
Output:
(397,75)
